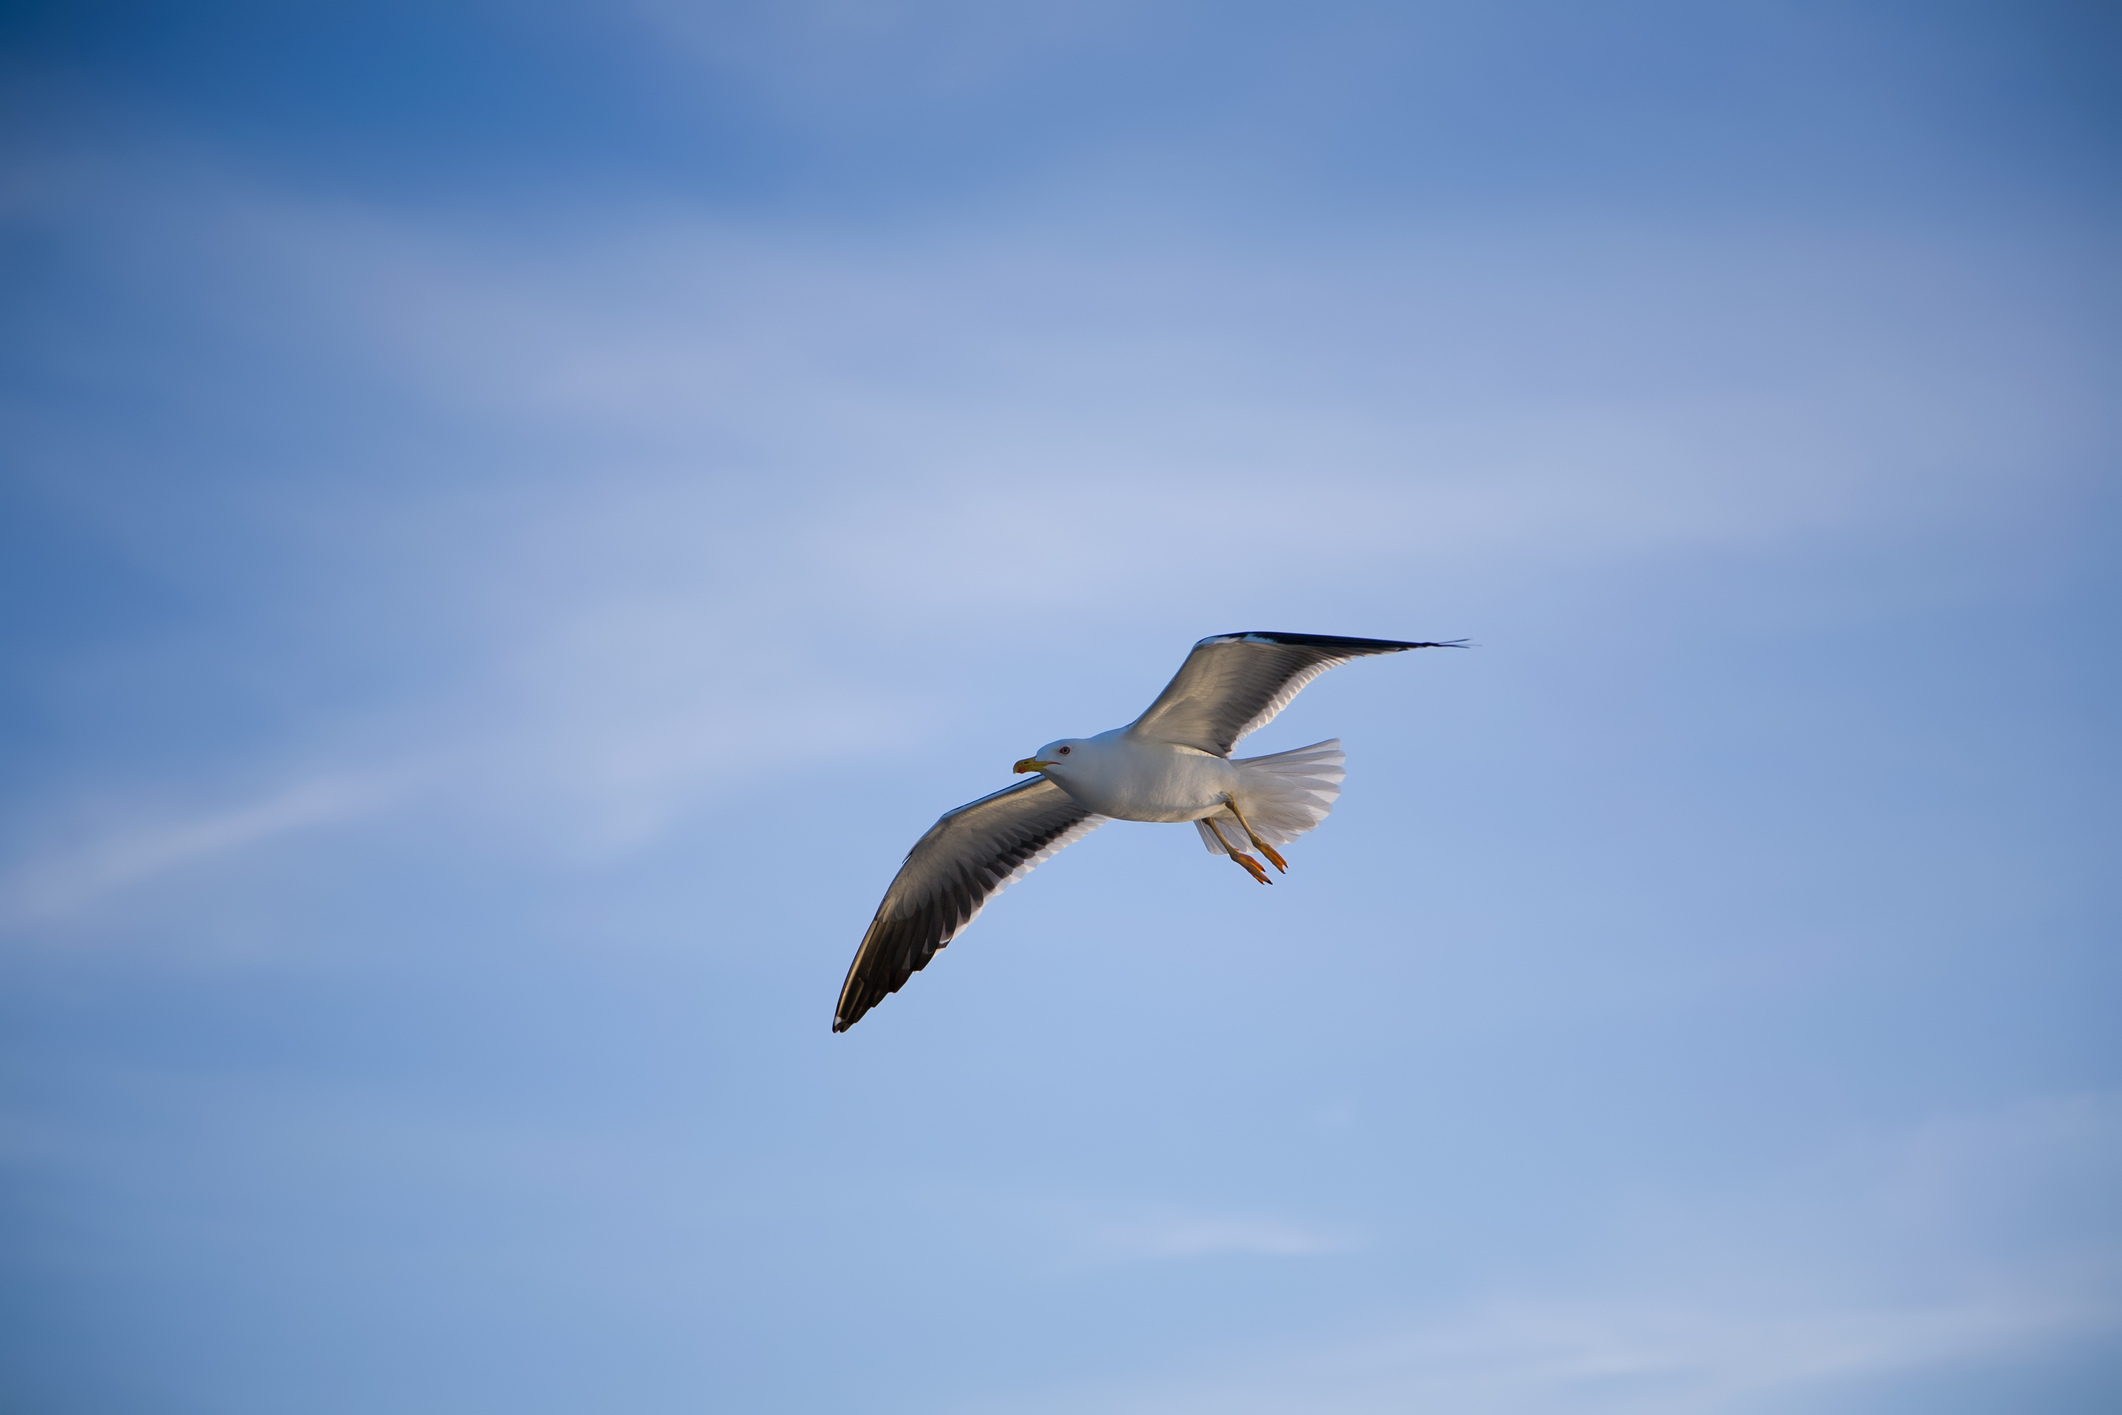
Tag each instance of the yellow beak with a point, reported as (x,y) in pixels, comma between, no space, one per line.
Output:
(1031,764)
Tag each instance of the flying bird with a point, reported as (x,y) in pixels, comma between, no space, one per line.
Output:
(1173,763)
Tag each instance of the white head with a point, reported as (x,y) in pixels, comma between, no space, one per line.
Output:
(1053,754)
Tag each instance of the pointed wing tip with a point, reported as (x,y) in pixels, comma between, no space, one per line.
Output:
(1327,641)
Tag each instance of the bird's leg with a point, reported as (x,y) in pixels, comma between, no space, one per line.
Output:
(1238,857)
(1261,845)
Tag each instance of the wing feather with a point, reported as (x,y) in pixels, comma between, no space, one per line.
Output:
(1234,684)
(966,859)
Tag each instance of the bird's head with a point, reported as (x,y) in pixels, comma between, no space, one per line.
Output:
(1051,755)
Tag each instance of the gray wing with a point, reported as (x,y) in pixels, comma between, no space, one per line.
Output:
(968,857)
(1233,684)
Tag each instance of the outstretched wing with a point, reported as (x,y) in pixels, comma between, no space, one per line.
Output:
(1233,684)
(968,857)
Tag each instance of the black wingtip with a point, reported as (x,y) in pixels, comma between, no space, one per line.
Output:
(1333,641)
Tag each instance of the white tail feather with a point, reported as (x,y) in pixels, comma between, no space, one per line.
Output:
(1282,796)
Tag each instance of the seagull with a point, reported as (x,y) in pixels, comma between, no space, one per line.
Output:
(1173,763)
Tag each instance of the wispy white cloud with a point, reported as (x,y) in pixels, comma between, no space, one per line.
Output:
(64,879)
(743,448)
(1443,395)
(1678,1359)
(1961,1241)
(738,452)
(747,449)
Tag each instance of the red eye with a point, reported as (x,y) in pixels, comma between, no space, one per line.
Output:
(1064,751)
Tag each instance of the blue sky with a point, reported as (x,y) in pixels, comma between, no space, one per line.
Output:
(516,516)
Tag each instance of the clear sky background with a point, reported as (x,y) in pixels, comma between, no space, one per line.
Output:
(516,515)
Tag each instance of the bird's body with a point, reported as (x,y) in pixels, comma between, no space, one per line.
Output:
(1130,779)
(1171,764)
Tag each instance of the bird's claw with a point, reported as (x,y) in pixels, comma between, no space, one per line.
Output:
(1252,866)
(1274,857)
